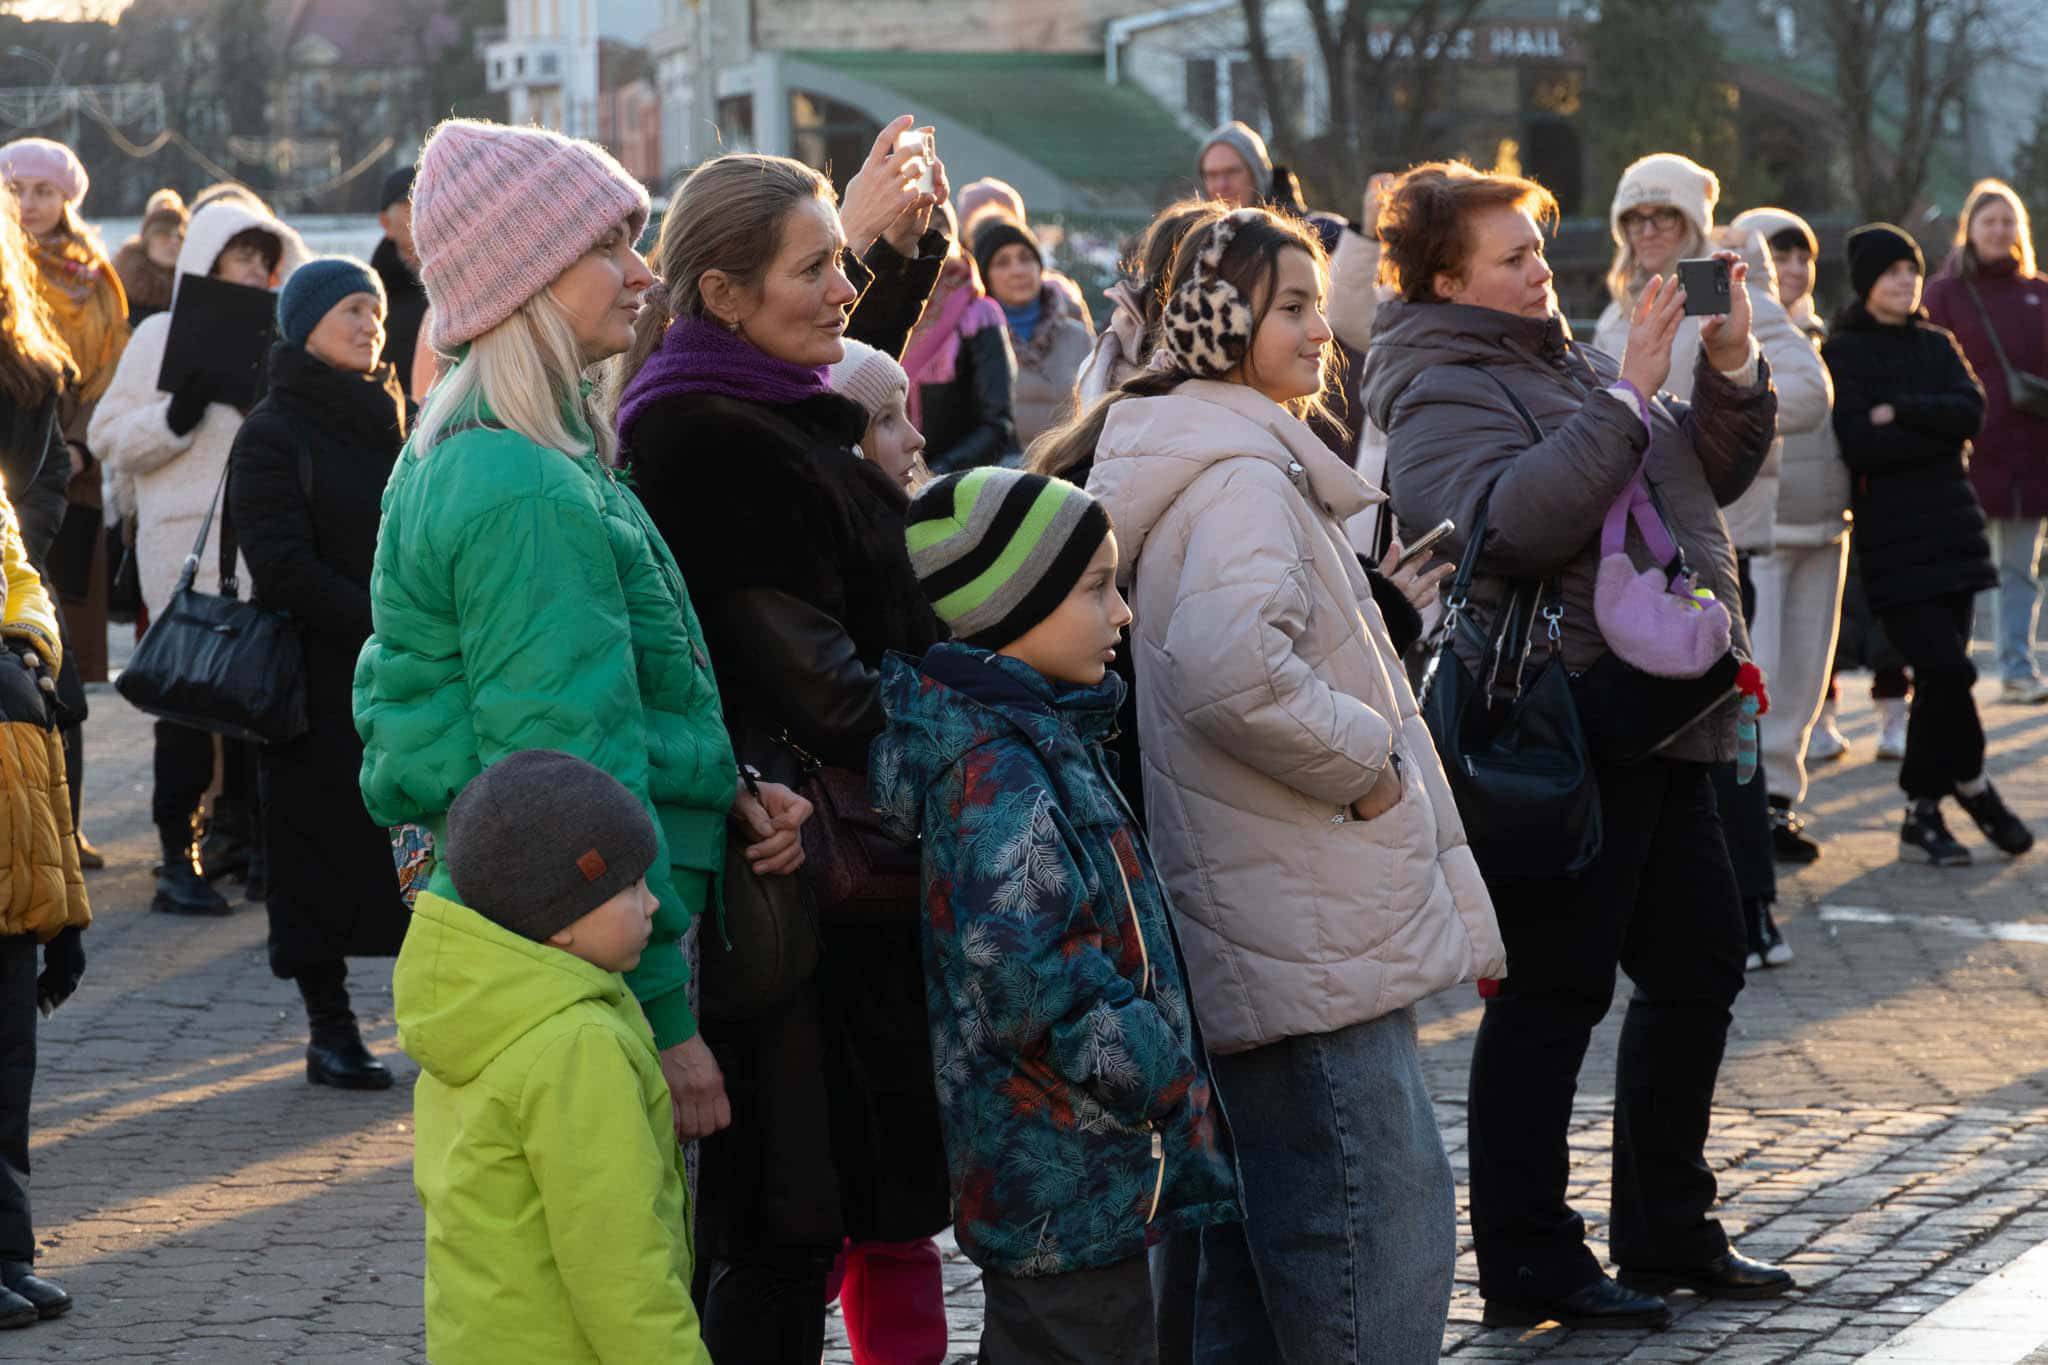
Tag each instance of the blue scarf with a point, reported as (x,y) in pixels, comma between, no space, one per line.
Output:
(1024,321)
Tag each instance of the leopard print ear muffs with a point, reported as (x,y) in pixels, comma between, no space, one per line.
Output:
(1208,322)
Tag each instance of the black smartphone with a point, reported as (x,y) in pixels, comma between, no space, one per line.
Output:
(1705,282)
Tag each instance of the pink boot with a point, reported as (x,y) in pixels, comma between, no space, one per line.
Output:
(894,1298)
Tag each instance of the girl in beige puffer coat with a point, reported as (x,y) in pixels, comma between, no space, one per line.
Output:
(1318,867)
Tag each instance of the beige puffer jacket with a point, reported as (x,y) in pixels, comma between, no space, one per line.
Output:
(1270,701)
(1806,397)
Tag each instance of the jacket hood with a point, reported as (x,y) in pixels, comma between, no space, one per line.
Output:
(214,225)
(1408,338)
(959,698)
(1152,448)
(465,989)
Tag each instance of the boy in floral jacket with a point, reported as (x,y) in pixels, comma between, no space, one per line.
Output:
(1080,1123)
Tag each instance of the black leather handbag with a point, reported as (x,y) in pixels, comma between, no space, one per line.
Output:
(1509,735)
(217,662)
(763,943)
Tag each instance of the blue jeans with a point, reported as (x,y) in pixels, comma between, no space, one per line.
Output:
(2017,546)
(1350,1238)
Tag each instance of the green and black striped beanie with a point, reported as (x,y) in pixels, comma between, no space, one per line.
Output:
(997,550)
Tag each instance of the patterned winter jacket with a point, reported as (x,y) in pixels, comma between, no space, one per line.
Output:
(1080,1122)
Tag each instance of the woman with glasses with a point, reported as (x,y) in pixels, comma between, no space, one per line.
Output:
(1664,213)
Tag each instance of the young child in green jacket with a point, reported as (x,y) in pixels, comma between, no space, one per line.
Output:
(544,1137)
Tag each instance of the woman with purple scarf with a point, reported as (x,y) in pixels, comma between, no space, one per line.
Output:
(792,545)
(963,374)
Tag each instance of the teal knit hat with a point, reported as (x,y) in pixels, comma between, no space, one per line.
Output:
(997,550)
(315,287)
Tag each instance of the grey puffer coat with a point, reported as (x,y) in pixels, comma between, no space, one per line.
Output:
(1452,435)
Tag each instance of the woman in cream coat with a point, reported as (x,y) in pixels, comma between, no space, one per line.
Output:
(164,454)
(1320,876)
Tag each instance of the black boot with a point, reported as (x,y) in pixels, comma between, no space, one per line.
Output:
(1925,836)
(180,890)
(1997,821)
(224,852)
(20,1281)
(336,1056)
(1790,843)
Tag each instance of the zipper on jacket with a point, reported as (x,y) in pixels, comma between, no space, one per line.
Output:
(1159,1180)
(1137,929)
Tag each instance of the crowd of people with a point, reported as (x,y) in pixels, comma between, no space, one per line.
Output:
(840,747)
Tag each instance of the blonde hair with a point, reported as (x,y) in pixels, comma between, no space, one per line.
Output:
(1626,276)
(34,361)
(528,372)
(728,216)
(1982,193)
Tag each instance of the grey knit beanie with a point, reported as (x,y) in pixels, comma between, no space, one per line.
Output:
(1243,139)
(540,839)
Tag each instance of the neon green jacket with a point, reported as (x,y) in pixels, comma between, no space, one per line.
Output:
(544,1153)
(522,599)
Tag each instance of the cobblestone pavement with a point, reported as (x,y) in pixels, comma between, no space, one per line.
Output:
(1880,1124)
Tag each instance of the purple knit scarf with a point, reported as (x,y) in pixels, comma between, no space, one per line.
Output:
(696,356)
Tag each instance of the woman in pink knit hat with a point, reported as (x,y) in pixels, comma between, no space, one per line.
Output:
(520,597)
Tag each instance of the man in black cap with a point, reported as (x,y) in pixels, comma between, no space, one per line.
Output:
(397,263)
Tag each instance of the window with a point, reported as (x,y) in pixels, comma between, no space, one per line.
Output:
(736,123)
(1201,91)
(830,136)
(550,63)
(1219,89)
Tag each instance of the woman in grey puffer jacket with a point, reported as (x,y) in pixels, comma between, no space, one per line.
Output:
(1477,313)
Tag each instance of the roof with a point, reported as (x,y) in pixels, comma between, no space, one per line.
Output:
(1053,108)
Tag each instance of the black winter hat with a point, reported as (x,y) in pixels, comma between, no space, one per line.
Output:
(540,839)
(1875,248)
(397,187)
(997,231)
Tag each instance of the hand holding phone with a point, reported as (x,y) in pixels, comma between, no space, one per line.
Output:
(920,140)
(1412,553)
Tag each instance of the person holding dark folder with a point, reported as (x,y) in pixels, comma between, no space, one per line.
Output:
(164,431)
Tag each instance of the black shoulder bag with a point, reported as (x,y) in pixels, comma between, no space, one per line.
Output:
(2028,392)
(1510,738)
(216,662)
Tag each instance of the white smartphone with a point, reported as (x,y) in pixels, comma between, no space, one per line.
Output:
(1411,553)
(921,142)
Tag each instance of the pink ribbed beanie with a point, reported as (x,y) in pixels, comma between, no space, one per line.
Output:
(498,212)
(868,377)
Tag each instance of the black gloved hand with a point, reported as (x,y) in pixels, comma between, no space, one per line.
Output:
(27,656)
(188,404)
(63,969)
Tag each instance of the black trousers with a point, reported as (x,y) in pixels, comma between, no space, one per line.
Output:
(1944,737)
(17,1078)
(1084,1317)
(184,770)
(1661,903)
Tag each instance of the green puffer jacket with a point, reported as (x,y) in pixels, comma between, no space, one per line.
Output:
(522,599)
(545,1154)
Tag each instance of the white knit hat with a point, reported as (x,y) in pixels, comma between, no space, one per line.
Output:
(868,377)
(1670,180)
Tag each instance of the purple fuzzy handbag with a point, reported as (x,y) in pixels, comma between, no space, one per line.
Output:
(1657,620)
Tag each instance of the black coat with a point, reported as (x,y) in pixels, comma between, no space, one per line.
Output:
(792,549)
(1920,533)
(332,888)
(405,301)
(969,423)
(37,469)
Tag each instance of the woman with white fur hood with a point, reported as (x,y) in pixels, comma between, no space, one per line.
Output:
(164,454)
(1663,212)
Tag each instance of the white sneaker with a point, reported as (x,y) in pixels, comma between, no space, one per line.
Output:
(2024,691)
(1827,743)
(1891,741)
